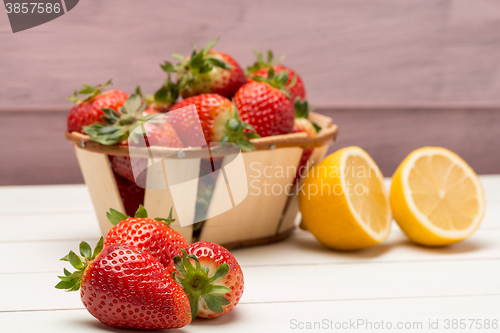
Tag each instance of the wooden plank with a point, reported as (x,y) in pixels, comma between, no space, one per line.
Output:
(279,317)
(387,134)
(41,199)
(347,52)
(182,179)
(390,134)
(299,249)
(101,184)
(259,213)
(292,209)
(328,283)
(158,202)
(55,226)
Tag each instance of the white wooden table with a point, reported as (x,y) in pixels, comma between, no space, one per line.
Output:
(287,285)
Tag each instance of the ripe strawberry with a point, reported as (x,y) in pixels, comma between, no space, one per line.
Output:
(117,129)
(216,273)
(132,195)
(215,114)
(265,105)
(261,68)
(88,110)
(303,125)
(207,71)
(123,286)
(151,235)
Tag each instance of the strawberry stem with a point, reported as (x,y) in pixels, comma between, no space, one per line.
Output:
(118,126)
(116,217)
(263,63)
(72,281)
(198,63)
(89,92)
(196,283)
(278,81)
(302,109)
(239,132)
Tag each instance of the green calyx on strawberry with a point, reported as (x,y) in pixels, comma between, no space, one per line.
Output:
(89,92)
(200,62)
(302,109)
(118,126)
(116,217)
(164,97)
(207,71)
(239,132)
(262,63)
(72,281)
(278,81)
(196,283)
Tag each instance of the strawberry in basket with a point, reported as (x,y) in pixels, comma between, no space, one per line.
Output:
(162,99)
(89,108)
(123,286)
(219,122)
(207,71)
(265,104)
(303,125)
(117,128)
(294,85)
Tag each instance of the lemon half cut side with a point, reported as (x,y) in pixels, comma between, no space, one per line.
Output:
(344,203)
(436,197)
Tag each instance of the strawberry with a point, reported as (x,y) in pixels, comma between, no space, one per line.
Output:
(151,235)
(123,286)
(88,110)
(117,128)
(218,118)
(261,68)
(265,105)
(131,194)
(163,98)
(207,71)
(303,125)
(214,285)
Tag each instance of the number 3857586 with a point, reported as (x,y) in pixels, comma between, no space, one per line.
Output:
(32,7)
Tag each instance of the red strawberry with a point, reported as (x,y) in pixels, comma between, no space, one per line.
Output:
(151,235)
(265,105)
(295,89)
(131,194)
(218,118)
(158,135)
(126,287)
(207,71)
(261,68)
(88,110)
(117,129)
(215,284)
(303,125)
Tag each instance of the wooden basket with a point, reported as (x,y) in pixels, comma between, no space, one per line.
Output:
(256,220)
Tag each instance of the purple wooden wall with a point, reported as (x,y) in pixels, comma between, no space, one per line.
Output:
(395,75)
(349,52)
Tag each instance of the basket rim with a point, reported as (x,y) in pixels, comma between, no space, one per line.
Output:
(326,136)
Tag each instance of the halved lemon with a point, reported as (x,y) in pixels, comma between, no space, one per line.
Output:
(344,202)
(436,197)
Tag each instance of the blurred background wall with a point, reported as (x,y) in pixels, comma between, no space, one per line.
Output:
(395,75)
